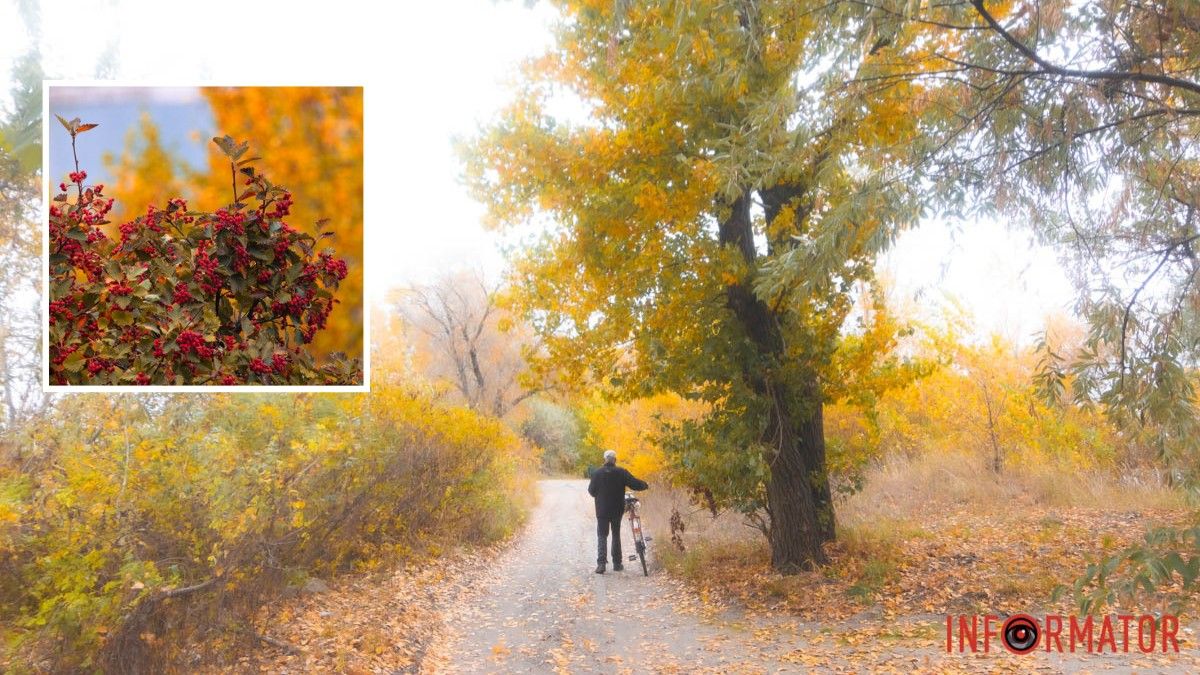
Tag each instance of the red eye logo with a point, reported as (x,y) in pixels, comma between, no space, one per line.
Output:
(1020,633)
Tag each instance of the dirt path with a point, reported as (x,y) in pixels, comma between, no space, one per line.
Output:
(542,608)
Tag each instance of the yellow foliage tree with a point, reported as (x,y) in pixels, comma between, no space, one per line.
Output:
(311,140)
(630,428)
(711,220)
(145,173)
(981,402)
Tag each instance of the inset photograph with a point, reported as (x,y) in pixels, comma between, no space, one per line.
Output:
(204,237)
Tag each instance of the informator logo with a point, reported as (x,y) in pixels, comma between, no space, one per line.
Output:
(1024,633)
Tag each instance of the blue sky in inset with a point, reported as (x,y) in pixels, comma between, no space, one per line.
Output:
(184,120)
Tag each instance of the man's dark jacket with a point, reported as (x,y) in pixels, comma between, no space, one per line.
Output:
(608,487)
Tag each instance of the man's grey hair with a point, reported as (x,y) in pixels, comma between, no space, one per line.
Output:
(610,457)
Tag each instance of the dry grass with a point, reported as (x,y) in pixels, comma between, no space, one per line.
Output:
(907,488)
(928,535)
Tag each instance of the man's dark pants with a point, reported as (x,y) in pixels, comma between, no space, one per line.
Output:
(603,525)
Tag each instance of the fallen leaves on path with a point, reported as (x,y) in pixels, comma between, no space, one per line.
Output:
(380,622)
(960,562)
(881,605)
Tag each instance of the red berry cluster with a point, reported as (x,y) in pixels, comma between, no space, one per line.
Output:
(335,267)
(207,276)
(283,206)
(98,365)
(182,295)
(191,342)
(119,288)
(73,228)
(234,222)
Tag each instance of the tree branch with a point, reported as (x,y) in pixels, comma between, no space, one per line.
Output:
(1114,75)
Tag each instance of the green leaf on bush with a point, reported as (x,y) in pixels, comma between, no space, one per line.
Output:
(266,255)
(225,143)
(75,361)
(122,318)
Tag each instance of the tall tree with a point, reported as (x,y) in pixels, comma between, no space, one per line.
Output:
(20,167)
(706,161)
(1081,119)
(146,173)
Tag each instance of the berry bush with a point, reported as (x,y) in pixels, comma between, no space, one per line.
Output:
(185,297)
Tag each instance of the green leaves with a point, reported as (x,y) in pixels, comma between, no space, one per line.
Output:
(232,149)
(1166,561)
(74,362)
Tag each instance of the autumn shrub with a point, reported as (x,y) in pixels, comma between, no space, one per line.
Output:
(1160,570)
(227,297)
(129,525)
(981,403)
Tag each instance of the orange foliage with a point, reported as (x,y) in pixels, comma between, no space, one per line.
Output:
(310,138)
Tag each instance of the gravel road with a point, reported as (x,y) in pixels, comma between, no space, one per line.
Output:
(542,608)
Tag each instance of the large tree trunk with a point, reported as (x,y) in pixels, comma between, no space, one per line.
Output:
(798,495)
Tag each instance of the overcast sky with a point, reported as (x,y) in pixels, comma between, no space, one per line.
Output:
(433,71)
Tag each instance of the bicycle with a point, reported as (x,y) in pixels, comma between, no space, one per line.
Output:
(633,508)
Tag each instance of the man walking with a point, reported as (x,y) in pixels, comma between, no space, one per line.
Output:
(608,489)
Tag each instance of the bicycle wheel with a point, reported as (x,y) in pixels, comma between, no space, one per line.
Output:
(639,542)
